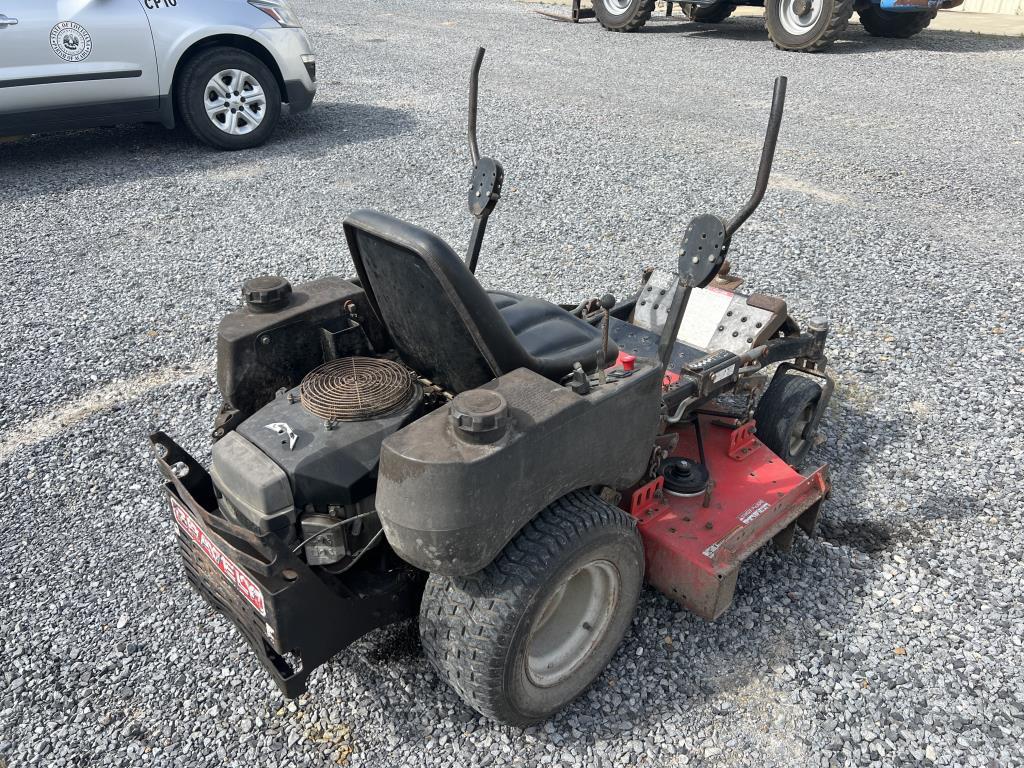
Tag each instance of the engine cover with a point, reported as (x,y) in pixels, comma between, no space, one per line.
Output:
(326,463)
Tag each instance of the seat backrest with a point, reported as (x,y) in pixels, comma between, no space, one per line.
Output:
(442,322)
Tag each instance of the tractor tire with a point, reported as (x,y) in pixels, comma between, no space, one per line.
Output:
(708,14)
(880,23)
(211,98)
(623,15)
(809,31)
(529,633)
(784,415)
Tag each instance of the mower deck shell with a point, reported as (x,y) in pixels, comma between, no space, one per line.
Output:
(694,552)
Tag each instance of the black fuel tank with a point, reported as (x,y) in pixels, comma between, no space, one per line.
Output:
(454,488)
(276,338)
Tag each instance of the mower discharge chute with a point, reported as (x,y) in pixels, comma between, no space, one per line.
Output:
(407,443)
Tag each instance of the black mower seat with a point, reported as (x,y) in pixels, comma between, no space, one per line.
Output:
(442,322)
(550,334)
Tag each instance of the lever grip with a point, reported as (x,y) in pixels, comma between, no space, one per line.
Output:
(764,170)
(474,80)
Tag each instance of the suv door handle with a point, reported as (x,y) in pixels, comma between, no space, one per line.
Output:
(6,21)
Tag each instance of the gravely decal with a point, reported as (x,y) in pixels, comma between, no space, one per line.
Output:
(746,518)
(754,512)
(238,578)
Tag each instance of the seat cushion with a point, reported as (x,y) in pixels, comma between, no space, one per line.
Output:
(552,336)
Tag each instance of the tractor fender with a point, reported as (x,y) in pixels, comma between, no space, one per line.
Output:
(450,503)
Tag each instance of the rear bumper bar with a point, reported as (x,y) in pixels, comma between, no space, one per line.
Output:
(291,618)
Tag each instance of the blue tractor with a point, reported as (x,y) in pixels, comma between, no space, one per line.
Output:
(793,25)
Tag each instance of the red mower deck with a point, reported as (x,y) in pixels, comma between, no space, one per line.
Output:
(694,545)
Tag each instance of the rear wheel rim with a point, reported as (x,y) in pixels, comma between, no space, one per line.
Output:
(572,623)
(617,7)
(798,17)
(235,102)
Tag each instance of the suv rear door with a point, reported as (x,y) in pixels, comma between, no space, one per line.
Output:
(75,63)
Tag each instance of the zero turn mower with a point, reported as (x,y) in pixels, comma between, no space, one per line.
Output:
(406,443)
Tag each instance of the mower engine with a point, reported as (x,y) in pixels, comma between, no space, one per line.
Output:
(281,535)
(303,467)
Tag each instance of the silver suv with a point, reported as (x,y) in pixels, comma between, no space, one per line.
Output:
(221,67)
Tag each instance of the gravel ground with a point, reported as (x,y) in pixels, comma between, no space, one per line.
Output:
(892,638)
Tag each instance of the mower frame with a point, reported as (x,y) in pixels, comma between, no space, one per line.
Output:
(452,490)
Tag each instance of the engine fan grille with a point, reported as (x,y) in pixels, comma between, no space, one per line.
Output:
(356,388)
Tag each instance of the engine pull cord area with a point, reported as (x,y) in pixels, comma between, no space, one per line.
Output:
(338,524)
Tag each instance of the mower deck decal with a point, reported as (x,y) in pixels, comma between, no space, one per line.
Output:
(754,512)
(746,518)
(238,578)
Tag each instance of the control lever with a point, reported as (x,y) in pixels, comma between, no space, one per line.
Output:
(487,176)
(607,302)
(707,237)
(764,169)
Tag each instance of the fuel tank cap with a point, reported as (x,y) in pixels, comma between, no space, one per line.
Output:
(266,292)
(479,415)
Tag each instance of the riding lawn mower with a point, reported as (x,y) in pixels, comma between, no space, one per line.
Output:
(405,443)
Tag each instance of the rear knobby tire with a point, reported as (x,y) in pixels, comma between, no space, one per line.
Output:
(784,416)
(785,31)
(623,15)
(708,14)
(881,23)
(505,637)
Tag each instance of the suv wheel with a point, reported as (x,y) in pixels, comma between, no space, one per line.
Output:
(228,98)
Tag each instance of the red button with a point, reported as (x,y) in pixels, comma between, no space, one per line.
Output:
(628,361)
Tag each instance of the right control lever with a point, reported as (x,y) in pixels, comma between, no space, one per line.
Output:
(707,237)
(487,177)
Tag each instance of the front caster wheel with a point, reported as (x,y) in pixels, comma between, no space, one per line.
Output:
(228,98)
(526,635)
(806,25)
(785,416)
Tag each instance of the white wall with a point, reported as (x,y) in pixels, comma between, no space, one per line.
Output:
(1014,7)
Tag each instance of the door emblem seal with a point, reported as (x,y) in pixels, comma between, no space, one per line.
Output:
(71,41)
